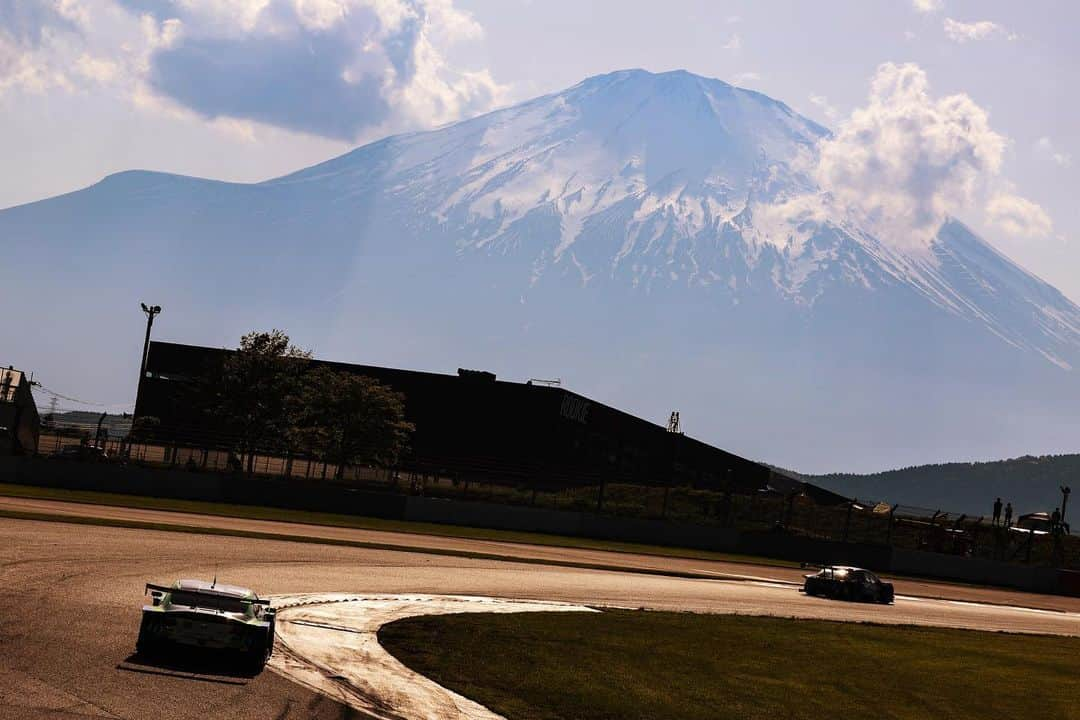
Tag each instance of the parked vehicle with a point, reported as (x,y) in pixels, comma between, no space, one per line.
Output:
(208,615)
(1037,523)
(842,582)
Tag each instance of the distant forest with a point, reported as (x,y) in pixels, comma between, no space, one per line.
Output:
(1030,483)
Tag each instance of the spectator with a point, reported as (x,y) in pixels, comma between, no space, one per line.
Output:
(997,511)
(1055,520)
(1008,514)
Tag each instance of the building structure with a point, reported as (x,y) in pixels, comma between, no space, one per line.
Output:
(20,425)
(471,426)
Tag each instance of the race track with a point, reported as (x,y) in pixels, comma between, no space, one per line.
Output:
(70,596)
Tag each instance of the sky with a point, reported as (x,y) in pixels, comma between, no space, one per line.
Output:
(246,90)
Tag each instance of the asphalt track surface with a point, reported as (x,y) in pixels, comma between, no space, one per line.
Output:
(70,596)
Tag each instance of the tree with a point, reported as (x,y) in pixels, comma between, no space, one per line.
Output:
(143,428)
(254,389)
(351,418)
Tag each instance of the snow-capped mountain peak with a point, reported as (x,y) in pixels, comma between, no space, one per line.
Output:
(674,179)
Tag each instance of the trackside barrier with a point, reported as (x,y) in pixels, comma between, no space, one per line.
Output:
(802,549)
(1069,582)
(975,570)
(313,495)
(286,494)
(499,517)
(573,523)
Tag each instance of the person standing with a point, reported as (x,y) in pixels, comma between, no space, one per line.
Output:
(997,511)
(1008,514)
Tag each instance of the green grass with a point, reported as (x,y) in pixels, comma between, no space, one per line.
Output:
(631,665)
(365,523)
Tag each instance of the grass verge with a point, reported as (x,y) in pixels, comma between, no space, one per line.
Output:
(635,665)
(253,512)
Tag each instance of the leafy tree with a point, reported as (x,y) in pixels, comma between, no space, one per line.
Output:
(351,418)
(254,391)
(144,427)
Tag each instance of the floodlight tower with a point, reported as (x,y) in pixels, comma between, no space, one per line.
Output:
(151,311)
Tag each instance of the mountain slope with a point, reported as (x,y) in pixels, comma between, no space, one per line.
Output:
(628,234)
(1031,484)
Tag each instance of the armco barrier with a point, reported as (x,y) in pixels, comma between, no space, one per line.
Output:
(491,515)
(288,494)
(1069,582)
(564,522)
(825,552)
(658,532)
(974,570)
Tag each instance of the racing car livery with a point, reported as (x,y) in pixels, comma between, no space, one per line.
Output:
(848,583)
(209,615)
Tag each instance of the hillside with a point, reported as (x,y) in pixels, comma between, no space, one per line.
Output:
(1030,483)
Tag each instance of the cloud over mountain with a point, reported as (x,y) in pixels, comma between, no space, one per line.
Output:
(906,161)
(326,67)
(330,68)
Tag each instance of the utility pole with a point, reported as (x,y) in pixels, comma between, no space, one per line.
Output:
(1065,490)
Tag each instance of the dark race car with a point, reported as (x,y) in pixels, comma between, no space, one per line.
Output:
(196,614)
(848,583)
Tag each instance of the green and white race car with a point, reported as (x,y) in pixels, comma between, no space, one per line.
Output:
(207,615)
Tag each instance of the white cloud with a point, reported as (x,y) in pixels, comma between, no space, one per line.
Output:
(927,6)
(33,36)
(333,68)
(742,78)
(962,32)
(826,108)
(1046,147)
(734,44)
(102,70)
(907,160)
(1019,216)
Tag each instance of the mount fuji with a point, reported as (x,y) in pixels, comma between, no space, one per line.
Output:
(632,235)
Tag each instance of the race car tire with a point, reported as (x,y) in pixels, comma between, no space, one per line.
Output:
(255,660)
(147,644)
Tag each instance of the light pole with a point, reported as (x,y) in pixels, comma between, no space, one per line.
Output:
(151,311)
(1065,490)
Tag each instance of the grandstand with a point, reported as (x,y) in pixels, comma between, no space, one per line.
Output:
(473,427)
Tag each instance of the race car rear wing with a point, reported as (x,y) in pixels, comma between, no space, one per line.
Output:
(158,590)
